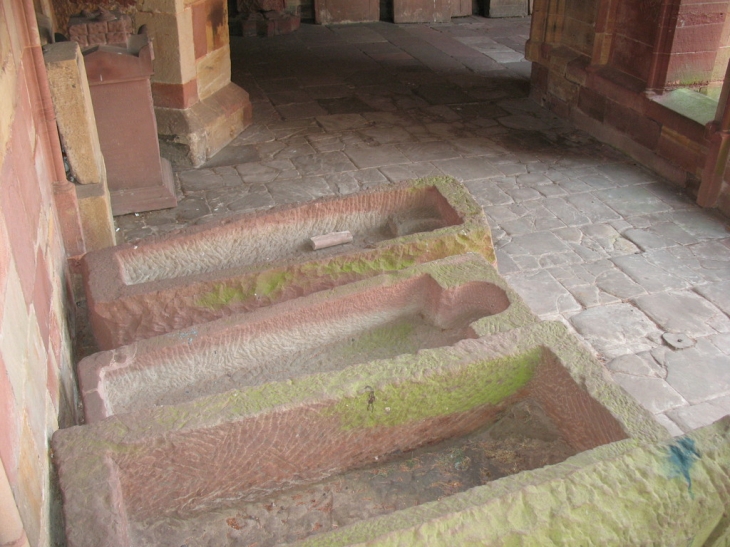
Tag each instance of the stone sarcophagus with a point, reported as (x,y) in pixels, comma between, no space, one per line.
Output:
(244,262)
(427,306)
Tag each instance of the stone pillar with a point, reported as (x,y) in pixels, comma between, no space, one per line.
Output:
(198,109)
(605,32)
(77,128)
(548,18)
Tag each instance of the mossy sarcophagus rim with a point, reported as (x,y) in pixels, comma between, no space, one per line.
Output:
(249,443)
(243,262)
(426,306)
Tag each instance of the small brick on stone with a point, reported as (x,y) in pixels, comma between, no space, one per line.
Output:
(97,27)
(117,38)
(77,30)
(123,24)
(97,39)
(82,41)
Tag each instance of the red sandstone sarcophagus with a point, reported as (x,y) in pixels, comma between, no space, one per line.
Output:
(427,306)
(136,291)
(129,478)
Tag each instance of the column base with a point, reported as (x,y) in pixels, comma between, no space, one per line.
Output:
(190,137)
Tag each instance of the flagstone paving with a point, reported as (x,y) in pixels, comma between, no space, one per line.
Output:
(584,234)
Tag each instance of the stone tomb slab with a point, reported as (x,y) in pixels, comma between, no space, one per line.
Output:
(122,475)
(427,306)
(136,291)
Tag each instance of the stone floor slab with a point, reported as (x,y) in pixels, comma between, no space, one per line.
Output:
(468,168)
(429,151)
(654,393)
(323,164)
(648,275)
(616,329)
(699,373)
(683,313)
(545,296)
(700,415)
(637,364)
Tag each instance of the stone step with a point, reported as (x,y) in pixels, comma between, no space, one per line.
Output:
(136,291)
(123,474)
(426,306)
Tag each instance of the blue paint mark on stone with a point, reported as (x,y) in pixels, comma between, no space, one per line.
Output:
(682,456)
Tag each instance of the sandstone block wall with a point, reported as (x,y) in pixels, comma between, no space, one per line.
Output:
(37,384)
(602,63)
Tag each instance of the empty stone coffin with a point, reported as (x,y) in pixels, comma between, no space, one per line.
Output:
(148,477)
(136,291)
(426,306)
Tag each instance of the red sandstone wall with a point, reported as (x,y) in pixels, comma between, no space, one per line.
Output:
(580,21)
(700,32)
(36,379)
(594,61)
(635,30)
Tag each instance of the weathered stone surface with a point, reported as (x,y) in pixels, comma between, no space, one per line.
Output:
(545,296)
(702,414)
(616,329)
(647,274)
(142,461)
(193,135)
(685,248)
(250,6)
(718,294)
(658,501)
(637,364)
(116,79)
(684,313)
(655,394)
(245,262)
(678,341)
(75,112)
(307,335)
(414,11)
(700,372)
(96,216)
(213,72)
(327,12)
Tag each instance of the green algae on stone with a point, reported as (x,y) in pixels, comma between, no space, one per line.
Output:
(438,394)
(614,494)
(367,264)
(370,341)
(267,284)
(221,296)
(470,235)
